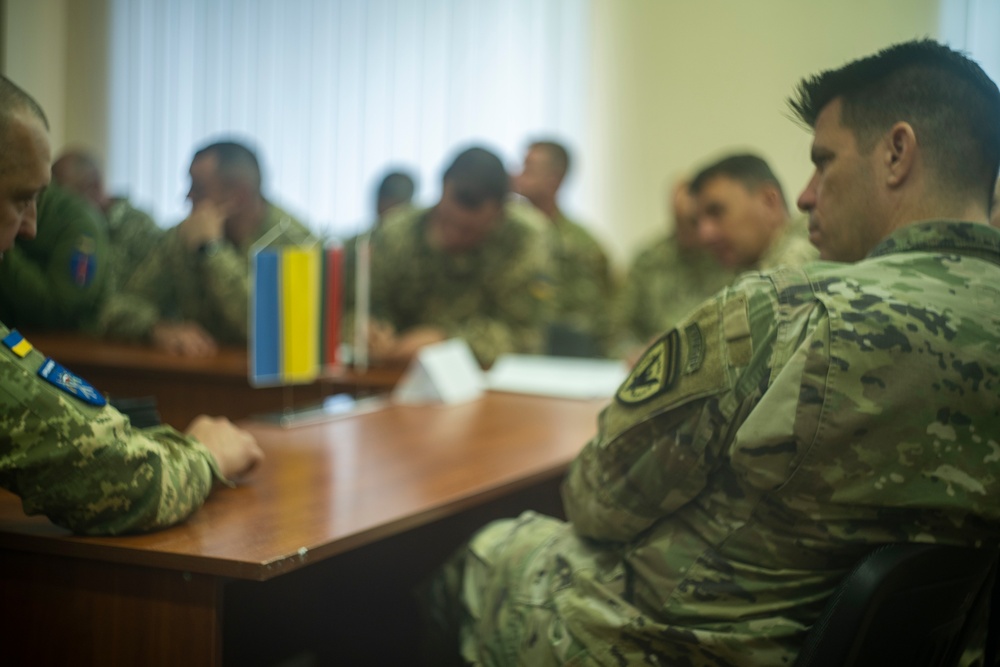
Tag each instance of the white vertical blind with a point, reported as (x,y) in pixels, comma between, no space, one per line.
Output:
(332,93)
(973,26)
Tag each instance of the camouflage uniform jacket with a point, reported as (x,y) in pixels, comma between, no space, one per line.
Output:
(83,465)
(59,279)
(583,285)
(133,235)
(175,283)
(791,248)
(493,296)
(662,285)
(754,454)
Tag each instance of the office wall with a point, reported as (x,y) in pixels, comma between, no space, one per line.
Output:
(674,83)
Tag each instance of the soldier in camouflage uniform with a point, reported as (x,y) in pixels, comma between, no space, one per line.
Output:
(465,268)
(743,217)
(58,279)
(666,280)
(804,415)
(580,321)
(63,450)
(191,292)
(132,234)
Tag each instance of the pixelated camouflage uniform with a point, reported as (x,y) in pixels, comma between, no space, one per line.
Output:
(663,284)
(753,455)
(582,287)
(494,296)
(86,467)
(175,283)
(59,279)
(791,248)
(132,235)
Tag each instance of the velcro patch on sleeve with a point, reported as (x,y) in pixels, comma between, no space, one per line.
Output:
(685,364)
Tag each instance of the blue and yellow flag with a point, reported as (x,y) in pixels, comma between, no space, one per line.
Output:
(294,313)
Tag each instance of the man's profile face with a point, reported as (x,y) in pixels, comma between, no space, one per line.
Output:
(735,223)
(537,179)
(24,173)
(841,197)
(461,228)
(206,183)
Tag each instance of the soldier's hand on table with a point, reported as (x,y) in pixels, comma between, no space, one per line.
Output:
(235,450)
(185,339)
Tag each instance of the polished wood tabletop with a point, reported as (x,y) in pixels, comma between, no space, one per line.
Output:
(328,488)
(185,387)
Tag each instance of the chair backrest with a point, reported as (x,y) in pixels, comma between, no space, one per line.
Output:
(904,604)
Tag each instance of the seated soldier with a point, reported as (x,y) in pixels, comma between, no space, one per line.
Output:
(466,267)
(580,324)
(191,293)
(63,450)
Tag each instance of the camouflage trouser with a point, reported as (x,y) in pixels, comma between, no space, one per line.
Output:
(496,596)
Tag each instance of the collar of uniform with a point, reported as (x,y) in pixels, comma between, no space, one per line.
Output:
(964,238)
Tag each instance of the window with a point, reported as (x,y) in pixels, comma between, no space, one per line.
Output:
(331,93)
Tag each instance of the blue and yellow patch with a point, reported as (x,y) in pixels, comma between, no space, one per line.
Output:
(82,263)
(17,343)
(72,384)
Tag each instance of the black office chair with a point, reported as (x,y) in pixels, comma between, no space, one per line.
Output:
(905,604)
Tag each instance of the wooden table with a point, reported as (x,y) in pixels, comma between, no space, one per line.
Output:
(259,563)
(185,387)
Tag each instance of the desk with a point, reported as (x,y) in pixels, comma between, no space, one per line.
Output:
(324,492)
(185,388)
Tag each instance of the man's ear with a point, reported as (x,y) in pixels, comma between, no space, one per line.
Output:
(772,197)
(900,151)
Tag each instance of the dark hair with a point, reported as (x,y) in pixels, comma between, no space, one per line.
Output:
(13,100)
(557,153)
(750,170)
(478,176)
(396,188)
(952,105)
(236,162)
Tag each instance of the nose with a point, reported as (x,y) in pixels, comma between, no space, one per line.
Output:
(807,200)
(706,230)
(29,227)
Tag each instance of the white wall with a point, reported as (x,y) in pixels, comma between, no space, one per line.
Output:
(678,83)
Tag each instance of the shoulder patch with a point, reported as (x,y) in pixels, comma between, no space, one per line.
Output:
(56,375)
(17,343)
(82,264)
(656,372)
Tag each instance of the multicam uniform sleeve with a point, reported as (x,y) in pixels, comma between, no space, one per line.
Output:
(226,279)
(59,279)
(675,415)
(85,467)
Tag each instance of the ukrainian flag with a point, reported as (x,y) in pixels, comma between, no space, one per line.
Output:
(294,313)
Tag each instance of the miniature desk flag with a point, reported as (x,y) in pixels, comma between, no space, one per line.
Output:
(294,310)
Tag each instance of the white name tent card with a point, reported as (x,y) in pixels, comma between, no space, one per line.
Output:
(445,372)
(564,377)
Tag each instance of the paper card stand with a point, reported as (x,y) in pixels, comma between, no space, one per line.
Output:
(442,373)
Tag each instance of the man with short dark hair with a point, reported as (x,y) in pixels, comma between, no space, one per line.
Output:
(63,449)
(794,422)
(191,293)
(396,189)
(467,267)
(743,217)
(581,323)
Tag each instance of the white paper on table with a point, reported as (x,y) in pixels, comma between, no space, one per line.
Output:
(565,377)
